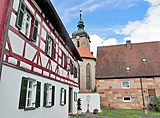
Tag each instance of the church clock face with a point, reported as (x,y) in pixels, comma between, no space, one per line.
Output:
(77,37)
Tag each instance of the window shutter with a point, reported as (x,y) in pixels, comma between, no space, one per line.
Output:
(61,96)
(23,93)
(64,96)
(34,30)
(20,14)
(46,46)
(75,72)
(53,93)
(65,61)
(38,94)
(45,95)
(54,50)
(62,59)
(70,66)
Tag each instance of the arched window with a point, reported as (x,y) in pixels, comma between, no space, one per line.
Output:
(78,45)
(88,77)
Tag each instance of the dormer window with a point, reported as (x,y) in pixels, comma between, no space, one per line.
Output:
(128,68)
(144,60)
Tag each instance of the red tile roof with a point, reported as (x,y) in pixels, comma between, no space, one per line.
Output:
(85,52)
(113,60)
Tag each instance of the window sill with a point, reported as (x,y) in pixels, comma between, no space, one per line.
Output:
(62,104)
(48,106)
(126,88)
(29,108)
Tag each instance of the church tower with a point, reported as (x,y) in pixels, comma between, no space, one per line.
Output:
(81,37)
(86,71)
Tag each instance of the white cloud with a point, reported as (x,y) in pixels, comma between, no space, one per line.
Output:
(98,41)
(146,30)
(153,2)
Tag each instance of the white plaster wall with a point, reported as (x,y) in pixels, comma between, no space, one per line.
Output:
(14,39)
(93,103)
(15,5)
(10,91)
(75,89)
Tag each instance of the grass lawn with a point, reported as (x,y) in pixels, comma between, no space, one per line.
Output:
(139,112)
(111,113)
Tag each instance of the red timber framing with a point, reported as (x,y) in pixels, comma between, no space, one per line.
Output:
(5,14)
(38,63)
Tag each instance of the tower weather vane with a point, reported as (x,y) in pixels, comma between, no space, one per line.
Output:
(80,13)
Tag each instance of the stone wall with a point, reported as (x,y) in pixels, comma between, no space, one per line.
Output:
(83,41)
(112,93)
(83,64)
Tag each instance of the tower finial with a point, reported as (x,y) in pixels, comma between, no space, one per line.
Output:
(80,14)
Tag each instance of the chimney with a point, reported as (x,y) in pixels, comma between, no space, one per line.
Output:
(128,43)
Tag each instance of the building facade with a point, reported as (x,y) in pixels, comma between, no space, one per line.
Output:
(128,75)
(82,42)
(39,64)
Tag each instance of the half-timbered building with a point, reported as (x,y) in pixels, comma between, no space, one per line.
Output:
(38,61)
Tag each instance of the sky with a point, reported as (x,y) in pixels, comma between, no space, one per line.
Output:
(112,22)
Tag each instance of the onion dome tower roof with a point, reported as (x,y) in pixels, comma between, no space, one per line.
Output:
(80,32)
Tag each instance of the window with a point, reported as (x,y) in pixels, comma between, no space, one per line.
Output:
(125,85)
(29,94)
(126,99)
(78,45)
(49,92)
(24,21)
(75,96)
(150,78)
(128,68)
(50,45)
(72,68)
(88,77)
(63,97)
(54,50)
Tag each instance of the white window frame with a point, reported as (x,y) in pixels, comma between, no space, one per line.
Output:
(150,78)
(49,95)
(126,100)
(24,24)
(33,94)
(125,87)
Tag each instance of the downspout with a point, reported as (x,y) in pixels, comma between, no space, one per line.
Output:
(142,91)
(5,35)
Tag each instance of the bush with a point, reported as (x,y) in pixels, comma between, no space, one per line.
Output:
(95,111)
(94,90)
(155,105)
(79,104)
